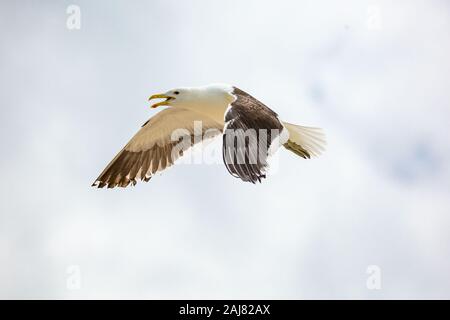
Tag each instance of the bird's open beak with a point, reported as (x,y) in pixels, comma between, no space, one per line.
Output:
(160,96)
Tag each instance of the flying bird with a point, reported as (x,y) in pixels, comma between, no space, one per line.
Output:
(251,133)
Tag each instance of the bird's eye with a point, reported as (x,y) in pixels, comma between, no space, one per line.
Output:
(176,92)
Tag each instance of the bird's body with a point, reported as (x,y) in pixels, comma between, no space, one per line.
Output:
(251,132)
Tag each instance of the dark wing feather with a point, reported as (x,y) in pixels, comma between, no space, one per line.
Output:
(250,129)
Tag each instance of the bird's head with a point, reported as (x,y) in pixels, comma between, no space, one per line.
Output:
(194,97)
(175,97)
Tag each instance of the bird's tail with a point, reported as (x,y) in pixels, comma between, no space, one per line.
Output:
(305,142)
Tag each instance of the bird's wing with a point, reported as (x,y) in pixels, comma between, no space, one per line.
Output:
(250,128)
(156,146)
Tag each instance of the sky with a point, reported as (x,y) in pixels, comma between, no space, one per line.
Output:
(369,219)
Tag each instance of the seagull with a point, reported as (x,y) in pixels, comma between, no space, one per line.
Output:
(251,133)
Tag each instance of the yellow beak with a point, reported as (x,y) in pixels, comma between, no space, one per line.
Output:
(160,96)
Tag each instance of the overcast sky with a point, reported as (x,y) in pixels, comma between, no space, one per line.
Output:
(374,74)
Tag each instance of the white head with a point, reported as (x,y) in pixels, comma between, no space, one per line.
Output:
(196,97)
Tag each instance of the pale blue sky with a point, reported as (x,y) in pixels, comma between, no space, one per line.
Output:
(378,196)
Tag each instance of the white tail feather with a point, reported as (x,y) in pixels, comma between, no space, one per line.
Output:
(311,139)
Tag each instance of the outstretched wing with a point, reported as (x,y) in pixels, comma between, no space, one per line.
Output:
(250,129)
(156,146)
